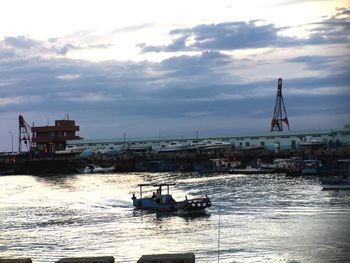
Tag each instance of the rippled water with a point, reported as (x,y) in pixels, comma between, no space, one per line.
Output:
(262,218)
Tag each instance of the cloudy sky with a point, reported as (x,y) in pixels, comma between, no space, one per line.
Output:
(169,68)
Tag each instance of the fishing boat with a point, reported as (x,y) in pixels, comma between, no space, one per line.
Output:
(164,202)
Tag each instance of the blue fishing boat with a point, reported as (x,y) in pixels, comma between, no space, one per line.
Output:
(164,202)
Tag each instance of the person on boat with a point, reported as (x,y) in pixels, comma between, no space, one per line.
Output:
(158,196)
(153,195)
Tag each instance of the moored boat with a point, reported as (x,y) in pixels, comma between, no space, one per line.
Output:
(166,203)
(336,183)
(93,168)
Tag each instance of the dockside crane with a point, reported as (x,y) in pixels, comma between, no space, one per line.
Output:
(24,134)
(279,112)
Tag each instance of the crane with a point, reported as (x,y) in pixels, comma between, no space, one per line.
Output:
(277,118)
(24,134)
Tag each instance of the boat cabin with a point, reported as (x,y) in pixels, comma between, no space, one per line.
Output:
(159,195)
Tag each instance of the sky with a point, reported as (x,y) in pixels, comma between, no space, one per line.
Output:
(171,68)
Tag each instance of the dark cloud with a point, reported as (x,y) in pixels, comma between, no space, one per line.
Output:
(334,63)
(223,36)
(204,65)
(184,87)
(27,47)
(245,35)
(333,30)
(64,49)
(6,53)
(21,42)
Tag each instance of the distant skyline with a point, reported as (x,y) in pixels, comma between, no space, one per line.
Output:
(171,68)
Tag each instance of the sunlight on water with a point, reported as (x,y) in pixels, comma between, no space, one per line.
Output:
(263,218)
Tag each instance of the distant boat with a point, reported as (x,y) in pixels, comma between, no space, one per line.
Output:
(336,183)
(71,149)
(311,141)
(340,178)
(311,166)
(212,145)
(165,202)
(93,168)
(290,166)
(173,147)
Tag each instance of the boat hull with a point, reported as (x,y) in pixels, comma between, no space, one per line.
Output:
(336,187)
(186,205)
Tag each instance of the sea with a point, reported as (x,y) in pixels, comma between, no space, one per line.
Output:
(253,218)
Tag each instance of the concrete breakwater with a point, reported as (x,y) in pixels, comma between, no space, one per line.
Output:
(161,258)
(146,162)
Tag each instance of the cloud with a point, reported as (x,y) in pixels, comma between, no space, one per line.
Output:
(251,35)
(91,97)
(133,28)
(15,100)
(334,63)
(68,76)
(21,42)
(22,46)
(222,36)
(290,2)
(196,114)
(63,50)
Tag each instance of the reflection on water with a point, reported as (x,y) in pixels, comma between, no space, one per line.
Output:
(263,218)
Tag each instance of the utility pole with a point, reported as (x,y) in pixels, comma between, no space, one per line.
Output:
(11,140)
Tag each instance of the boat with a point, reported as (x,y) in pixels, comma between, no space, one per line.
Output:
(173,147)
(225,163)
(312,141)
(71,149)
(290,166)
(336,183)
(311,166)
(213,145)
(339,178)
(160,202)
(93,168)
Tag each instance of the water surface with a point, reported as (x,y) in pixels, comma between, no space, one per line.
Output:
(254,218)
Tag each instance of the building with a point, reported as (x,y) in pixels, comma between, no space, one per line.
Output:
(283,140)
(54,138)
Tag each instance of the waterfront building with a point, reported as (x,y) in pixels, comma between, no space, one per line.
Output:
(283,140)
(54,138)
